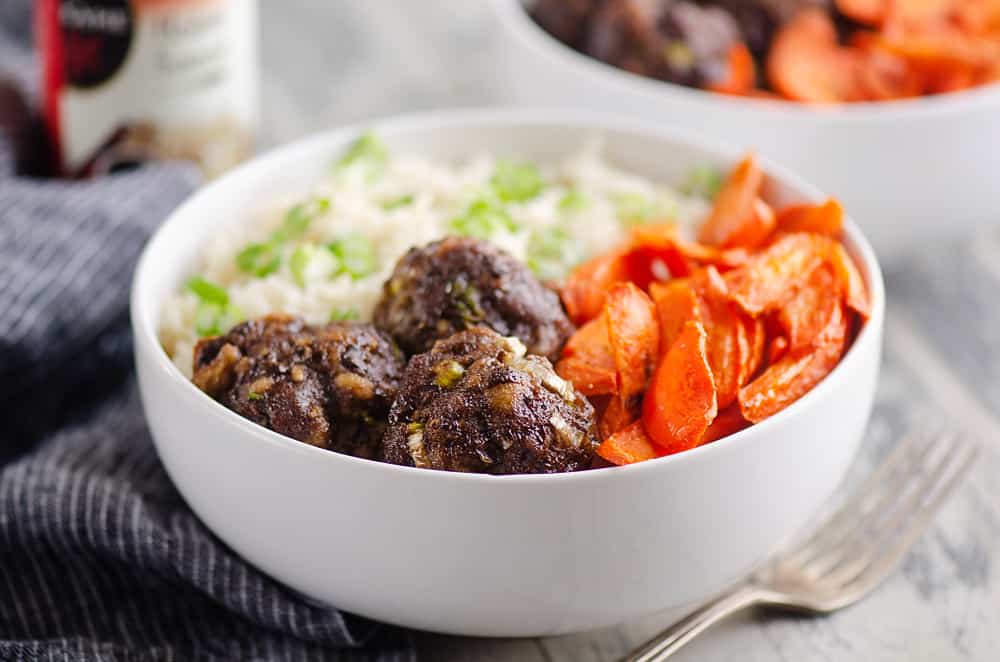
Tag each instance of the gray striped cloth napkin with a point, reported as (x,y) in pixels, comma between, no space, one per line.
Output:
(100,559)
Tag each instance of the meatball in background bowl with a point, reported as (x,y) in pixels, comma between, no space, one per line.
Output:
(908,170)
(475,554)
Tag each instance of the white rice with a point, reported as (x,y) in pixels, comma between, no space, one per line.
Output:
(440,193)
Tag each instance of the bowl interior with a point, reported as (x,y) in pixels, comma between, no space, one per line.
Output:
(654,152)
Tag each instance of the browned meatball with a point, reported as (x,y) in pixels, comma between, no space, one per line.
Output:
(329,386)
(477,403)
(458,283)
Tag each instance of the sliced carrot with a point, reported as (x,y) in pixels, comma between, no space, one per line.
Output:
(740,72)
(729,421)
(587,359)
(629,446)
(796,373)
(680,403)
(676,304)
(727,345)
(586,287)
(777,349)
(826,218)
(756,229)
(681,257)
(616,417)
(868,12)
(850,277)
(634,337)
(807,64)
(805,315)
(773,275)
(734,205)
(756,336)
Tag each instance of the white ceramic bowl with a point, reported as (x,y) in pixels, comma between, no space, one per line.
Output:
(487,555)
(908,170)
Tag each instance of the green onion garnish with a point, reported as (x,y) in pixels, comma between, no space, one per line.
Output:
(253,395)
(572,201)
(212,319)
(208,291)
(396,203)
(447,373)
(633,208)
(367,151)
(703,181)
(298,219)
(482,220)
(299,262)
(259,259)
(343,315)
(552,252)
(516,182)
(356,255)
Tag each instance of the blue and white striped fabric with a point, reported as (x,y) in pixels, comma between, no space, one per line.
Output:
(100,559)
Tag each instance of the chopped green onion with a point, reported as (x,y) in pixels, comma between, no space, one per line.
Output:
(551,253)
(633,208)
(253,395)
(516,182)
(396,203)
(367,151)
(572,201)
(212,319)
(298,219)
(208,291)
(447,373)
(482,220)
(356,255)
(343,315)
(703,181)
(466,300)
(414,427)
(259,259)
(299,262)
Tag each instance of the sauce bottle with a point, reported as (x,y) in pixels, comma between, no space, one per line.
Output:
(127,81)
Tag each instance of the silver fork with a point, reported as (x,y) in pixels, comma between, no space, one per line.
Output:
(853,551)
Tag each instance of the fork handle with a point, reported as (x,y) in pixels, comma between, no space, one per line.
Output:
(677,635)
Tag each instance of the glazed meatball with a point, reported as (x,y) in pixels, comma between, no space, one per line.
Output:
(459,283)
(477,403)
(328,386)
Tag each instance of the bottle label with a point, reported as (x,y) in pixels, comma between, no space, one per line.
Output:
(149,79)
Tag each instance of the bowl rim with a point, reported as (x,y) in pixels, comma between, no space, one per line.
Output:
(143,312)
(514,18)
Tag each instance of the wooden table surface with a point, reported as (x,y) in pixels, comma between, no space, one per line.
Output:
(337,61)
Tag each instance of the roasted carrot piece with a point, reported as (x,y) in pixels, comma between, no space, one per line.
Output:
(734,205)
(676,304)
(617,416)
(729,421)
(740,72)
(680,403)
(634,337)
(587,360)
(682,257)
(788,379)
(586,287)
(854,285)
(773,275)
(805,315)
(806,63)
(727,344)
(777,349)
(756,228)
(756,336)
(826,218)
(629,446)
(868,12)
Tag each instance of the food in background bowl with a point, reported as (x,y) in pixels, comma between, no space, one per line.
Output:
(688,331)
(817,51)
